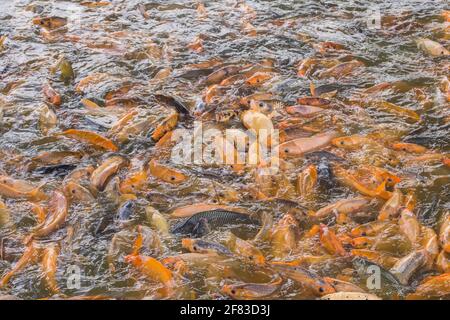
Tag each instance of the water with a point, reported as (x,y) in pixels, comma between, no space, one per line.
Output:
(116,39)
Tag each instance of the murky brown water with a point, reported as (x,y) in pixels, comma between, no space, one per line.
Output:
(154,52)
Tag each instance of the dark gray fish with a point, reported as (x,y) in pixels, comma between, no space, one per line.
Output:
(200,222)
(59,170)
(126,210)
(200,246)
(173,102)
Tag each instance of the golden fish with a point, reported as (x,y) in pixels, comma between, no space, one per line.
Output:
(245,249)
(90,137)
(56,217)
(19,189)
(49,265)
(168,124)
(101,175)
(165,173)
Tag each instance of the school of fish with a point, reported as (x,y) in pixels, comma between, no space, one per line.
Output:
(93,205)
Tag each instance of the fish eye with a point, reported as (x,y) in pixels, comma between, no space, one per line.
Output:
(233,291)
(342,143)
(321,289)
(172,178)
(73,191)
(195,248)
(248,101)
(363,234)
(261,104)
(389,179)
(404,149)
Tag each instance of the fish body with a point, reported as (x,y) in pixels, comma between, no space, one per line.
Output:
(101,175)
(214,218)
(250,291)
(56,217)
(431,47)
(300,146)
(306,278)
(203,246)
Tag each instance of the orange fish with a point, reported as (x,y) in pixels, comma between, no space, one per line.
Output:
(90,137)
(151,268)
(49,265)
(56,217)
(165,173)
(168,124)
(330,242)
(51,95)
(408,147)
(258,79)
(109,167)
(19,189)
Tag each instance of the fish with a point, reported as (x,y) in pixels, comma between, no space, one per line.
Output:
(50,23)
(250,291)
(168,124)
(203,246)
(369,229)
(407,266)
(345,206)
(214,219)
(76,192)
(409,147)
(90,137)
(307,279)
(284,236)
(51,96)
(58,208)
(300,146)
(393,108)
(101,175)
(165,173)
(20,189)
(307,181)
(330,241)
(349,180)
(190,210)
(257,121)
(343,286)
(245,249)
(431,47)
(392,206)
(157,220)
(409,225)
(47,119)
(304,111)
(433,287)
(305,66)
(49,265)
(341,70)
(313,101)
(150,267)
(85,83)
(220,74)
(350,296)
(258,79)
(380,258)
(174,102)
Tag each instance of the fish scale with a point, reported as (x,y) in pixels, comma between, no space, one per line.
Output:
(214,218)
